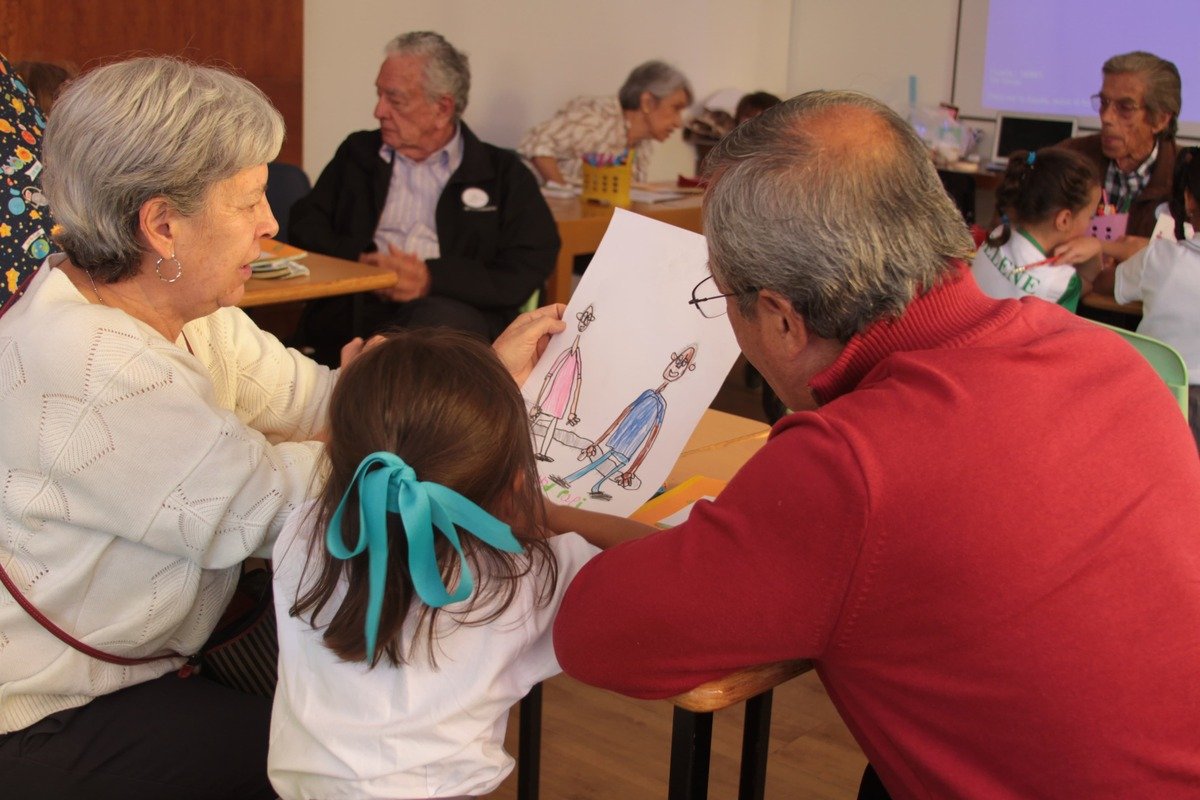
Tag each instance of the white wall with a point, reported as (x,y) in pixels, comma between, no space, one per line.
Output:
(873,46)
(530,56)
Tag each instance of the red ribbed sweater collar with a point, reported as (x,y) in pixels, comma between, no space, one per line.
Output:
(950,315)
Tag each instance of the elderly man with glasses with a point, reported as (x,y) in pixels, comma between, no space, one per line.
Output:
(995,611)
(461,222)
(1134,152)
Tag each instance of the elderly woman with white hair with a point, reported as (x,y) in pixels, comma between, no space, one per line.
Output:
(155,439)
(649,107)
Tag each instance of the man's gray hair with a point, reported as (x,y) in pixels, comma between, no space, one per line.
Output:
(131,131)
(656,77)
(1164,90)
(849,234)
(447,70)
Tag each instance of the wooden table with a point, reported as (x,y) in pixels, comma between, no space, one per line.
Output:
(964,187)
(581,226)
(328,276)
(984,179)
(718,447)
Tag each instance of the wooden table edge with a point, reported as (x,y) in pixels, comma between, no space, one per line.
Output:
(740,685)
(267,291)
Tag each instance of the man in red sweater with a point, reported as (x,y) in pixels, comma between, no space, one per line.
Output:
(980,523)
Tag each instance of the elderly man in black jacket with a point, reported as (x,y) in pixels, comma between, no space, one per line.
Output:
(461,222)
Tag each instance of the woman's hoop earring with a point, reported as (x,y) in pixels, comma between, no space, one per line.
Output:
(158,270)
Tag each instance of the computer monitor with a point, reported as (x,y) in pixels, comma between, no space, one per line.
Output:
(1027,132)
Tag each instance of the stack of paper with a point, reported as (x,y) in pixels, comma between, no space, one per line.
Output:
(652,195)
(556,189)
(278,260)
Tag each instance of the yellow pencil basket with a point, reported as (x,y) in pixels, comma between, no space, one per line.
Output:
(608,185)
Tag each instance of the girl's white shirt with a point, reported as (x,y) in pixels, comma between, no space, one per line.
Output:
(341,730)
(1165,276)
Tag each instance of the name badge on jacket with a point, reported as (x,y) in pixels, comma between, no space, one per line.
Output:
(476,199)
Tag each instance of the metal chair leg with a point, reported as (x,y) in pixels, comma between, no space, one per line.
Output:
(691,746)
(756,739)
(529,745)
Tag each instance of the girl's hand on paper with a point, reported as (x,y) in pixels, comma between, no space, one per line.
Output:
(523,342)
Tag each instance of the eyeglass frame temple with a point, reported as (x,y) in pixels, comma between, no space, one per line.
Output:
(1099,103)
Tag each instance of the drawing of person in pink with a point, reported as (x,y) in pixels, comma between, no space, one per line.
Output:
(561,388)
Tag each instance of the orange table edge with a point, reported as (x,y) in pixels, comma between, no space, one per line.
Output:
(328,276)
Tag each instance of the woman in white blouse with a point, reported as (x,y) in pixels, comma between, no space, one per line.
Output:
(154,438)
(649,107)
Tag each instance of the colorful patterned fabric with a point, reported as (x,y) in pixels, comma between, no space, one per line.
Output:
(24,214)
(584,125)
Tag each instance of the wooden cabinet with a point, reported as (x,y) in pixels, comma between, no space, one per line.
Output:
(261,40)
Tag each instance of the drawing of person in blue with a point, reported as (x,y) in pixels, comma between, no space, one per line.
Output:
(636,426)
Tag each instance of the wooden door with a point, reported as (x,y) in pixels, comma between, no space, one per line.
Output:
(261,40)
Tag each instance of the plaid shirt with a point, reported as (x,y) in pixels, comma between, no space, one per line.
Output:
(1124,187)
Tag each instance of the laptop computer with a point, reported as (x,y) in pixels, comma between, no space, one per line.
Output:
(1027,132)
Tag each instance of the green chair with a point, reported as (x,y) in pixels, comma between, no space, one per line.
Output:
(532,303)
(1165,359)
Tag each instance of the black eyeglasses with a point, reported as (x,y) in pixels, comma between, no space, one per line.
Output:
(1125,107)
(712,312)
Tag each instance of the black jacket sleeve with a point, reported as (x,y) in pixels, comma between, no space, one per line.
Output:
(495,256)
(338,217)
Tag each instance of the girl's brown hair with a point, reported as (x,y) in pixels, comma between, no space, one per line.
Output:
(443,402)
(45,80)
(1034,189)
(1186,179)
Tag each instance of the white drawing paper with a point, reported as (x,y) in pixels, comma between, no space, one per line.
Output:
(680,516)
(615,397)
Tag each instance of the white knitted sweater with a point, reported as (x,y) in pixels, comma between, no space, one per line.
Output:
(136,477)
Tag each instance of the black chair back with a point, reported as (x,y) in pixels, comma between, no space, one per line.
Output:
(286,183)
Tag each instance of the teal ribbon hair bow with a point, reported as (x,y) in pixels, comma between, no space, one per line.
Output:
(387,485)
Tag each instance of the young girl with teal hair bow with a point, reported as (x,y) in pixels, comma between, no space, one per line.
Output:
(415,595)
